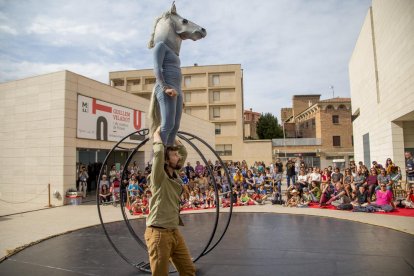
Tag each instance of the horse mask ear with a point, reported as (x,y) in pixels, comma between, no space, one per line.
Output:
(173,9)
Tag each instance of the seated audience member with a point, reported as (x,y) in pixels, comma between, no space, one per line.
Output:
(210,198)
(302,178)
(294,199)
(361,197)
(194,200)
(133,189)
(372,182)
(262,191)
(339,196)
(315,176)
(258,180)
(142,180)
(186,181)
(383,178)
(245,199)
(217,178)
(409,201)
(277,179)
(348,178)
(189,169)
(315,192)
(359,179)
(238,179)
(257,198)
(305,199)
(104,194)
(225,184)
(104,181)
(327,193)
(377,167)
(199,169)
(384,198)
(250,190)
(325,179)
(337,176)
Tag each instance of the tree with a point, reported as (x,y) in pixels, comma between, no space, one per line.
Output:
(268,128)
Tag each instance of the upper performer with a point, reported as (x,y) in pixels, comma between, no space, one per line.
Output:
(164,240)
(167,97)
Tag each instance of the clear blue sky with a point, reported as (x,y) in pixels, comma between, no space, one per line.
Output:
(285,47)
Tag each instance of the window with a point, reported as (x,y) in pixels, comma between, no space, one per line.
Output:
(216,112)
(216,79)
(313,123)
(336,141)
(352,140)
(149,81)
(187,81)
(216,96)
(224,149)
(335,119)
(218,129)
(187,97)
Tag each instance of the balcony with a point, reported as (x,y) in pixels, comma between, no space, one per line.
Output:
(297,142)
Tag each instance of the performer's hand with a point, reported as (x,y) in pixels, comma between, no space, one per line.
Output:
(157,136)
(171,92)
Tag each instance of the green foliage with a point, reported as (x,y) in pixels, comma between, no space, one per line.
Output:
(268,127)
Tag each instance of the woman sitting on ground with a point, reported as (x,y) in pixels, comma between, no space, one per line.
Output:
(105,194)
(210,198)
(384,199)
(315,192)
(348,178)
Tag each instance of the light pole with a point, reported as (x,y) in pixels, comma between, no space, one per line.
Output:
(284,137)
(333,91)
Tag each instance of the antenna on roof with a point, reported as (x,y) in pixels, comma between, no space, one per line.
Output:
(333,91)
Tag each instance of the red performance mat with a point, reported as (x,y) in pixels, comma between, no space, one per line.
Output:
(404,212)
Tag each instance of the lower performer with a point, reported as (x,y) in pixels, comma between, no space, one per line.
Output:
(163,239)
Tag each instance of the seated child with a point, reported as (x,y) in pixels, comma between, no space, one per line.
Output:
(361,197)
(194,200)
(409,201)
(294,199)
(305,199)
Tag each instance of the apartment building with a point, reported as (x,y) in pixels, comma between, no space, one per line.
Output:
(320,131)
(213,93)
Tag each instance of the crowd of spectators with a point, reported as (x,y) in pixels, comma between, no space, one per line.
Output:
(358,187)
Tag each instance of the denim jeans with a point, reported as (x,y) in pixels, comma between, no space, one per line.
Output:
(288,178)
(171,109)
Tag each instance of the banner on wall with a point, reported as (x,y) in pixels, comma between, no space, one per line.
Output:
(99,120)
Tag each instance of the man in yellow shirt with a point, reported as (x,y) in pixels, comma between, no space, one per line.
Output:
(164,240)
(238,179)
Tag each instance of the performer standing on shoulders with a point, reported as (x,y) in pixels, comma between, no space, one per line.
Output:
(163,239)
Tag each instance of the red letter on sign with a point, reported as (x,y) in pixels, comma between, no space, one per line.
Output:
(137,119)
(100,107)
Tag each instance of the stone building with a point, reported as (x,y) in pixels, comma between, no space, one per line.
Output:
(320,131)
(250,124)
(381,72)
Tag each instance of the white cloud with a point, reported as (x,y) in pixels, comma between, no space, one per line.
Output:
(285,47)
(8,30)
